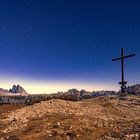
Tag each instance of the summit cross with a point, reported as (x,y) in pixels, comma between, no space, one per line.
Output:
(123,82)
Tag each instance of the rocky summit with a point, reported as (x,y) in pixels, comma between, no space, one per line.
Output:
(101,118)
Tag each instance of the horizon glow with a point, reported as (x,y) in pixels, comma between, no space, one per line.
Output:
(50,86)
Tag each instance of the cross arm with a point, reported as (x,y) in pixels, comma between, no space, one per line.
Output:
(123,57)
(116,59)
(129,56)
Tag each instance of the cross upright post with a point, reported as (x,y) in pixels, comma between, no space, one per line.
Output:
(122,62)
(123,82)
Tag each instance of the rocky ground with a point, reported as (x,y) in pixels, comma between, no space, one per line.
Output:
(101,118)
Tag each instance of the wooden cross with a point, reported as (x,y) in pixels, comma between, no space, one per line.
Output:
(123,82)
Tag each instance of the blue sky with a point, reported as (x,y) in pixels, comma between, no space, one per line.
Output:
(68,42)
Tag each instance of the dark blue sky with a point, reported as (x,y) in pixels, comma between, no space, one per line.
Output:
(69,40)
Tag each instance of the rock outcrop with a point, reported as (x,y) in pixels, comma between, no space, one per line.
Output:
(85,95)
(134,90)
(71,95)
(18,95)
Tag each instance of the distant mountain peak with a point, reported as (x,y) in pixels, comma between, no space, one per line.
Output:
(17,89)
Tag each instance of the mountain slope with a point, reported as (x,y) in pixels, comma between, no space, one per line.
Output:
(99,118)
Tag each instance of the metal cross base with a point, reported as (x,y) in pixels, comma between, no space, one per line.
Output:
(123,86)
(123,90)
